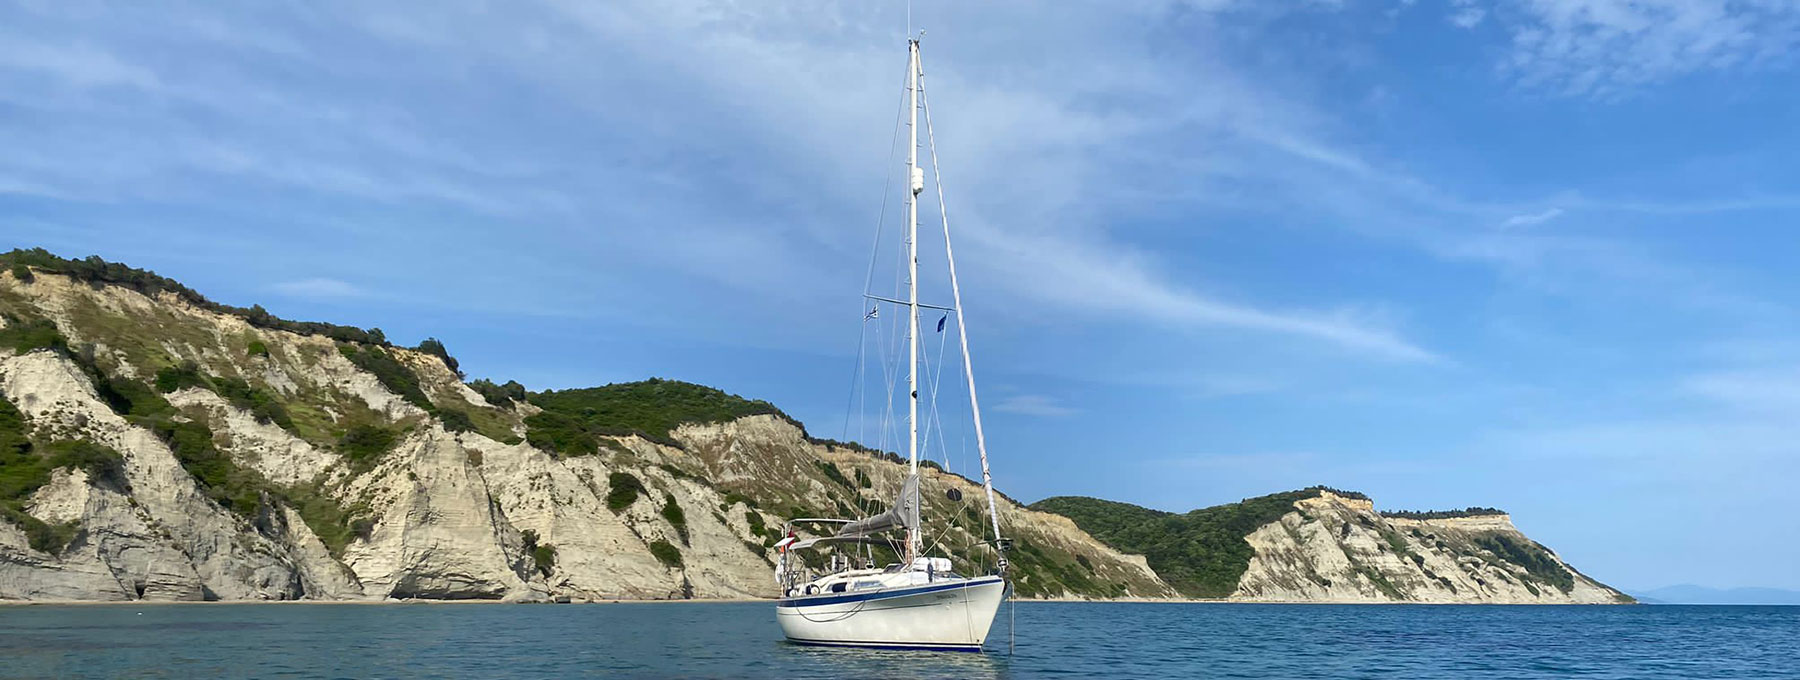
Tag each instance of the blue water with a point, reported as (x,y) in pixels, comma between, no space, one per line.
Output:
(740,640)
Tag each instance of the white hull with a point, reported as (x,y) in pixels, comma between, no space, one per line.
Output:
(948,615)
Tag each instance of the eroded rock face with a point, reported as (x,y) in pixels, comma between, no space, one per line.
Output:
(165,540)
(438,514)
(1336,549)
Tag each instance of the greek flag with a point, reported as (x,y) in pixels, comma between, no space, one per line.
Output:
(874,313)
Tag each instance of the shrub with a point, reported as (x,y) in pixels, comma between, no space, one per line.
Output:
(389,371)
(333,524)
(755,520)
(671,511)
(40,535)
(257,349)
(93,269)
(25,468)
(1358,495)
(499,395)
(362,444)
(622,490)
(1442,514)
(13,441)
(101,463)
(26,335)
(1533,557)
(666,553)
(834,474)
(1395,541)
(21,473)
(560,434)
(455,421)
(436,348)
(184,375)
(543,556)
(651,409)
(22,272)
(261,404)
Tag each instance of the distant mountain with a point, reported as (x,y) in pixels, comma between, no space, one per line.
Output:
(1693,594)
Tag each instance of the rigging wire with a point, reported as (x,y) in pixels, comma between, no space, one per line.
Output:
(887,185)
(857,399)
(975,410)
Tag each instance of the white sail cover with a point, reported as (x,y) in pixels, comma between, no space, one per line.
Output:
(904,514)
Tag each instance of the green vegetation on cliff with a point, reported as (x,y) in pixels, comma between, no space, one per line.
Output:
(234,487)
(25,467)
(622,490)
(25,335)
(573,419)
(1535,558)
(671,511)
(666,553)
(393,375)
(1201,553)
(261,404)
(93,269)
(501,396)
(1442,514)
(543,555)
(436,348)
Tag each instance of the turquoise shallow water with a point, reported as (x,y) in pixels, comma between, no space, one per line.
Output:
(741,640)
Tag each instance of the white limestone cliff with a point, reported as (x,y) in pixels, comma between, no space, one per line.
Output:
(1337,549)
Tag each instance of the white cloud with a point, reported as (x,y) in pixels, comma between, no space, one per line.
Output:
(1465,14)
(1528,219)
(1034,405)
(1109,278)
(318,288)
(1468,17)
(1023,141)
(1606,47)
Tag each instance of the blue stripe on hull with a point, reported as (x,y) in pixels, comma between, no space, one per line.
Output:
(833,598)
(899,646)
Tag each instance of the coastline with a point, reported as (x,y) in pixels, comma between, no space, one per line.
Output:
(736,600)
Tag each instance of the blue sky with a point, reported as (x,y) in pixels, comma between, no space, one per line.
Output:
(1532,254)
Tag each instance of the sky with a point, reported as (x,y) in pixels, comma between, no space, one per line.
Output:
(1529,254)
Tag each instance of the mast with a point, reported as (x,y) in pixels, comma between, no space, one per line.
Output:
(916,182)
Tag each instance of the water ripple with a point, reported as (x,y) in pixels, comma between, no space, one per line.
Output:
(740,640)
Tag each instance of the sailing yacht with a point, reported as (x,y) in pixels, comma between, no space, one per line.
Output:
(918,602)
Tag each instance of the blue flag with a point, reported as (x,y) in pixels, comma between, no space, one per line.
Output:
(941,321)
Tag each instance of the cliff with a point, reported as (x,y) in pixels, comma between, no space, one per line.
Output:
(157,446)
(1323,545)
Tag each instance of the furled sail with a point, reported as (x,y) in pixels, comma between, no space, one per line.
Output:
(904,514)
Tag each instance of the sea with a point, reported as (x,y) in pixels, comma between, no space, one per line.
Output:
(1029,640)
